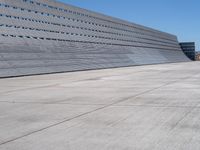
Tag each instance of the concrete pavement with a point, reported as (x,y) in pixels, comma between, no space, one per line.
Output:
(135,108)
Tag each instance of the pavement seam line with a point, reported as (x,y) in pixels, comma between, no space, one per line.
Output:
(28,88)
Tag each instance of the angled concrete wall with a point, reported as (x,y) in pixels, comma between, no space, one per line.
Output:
(44,36)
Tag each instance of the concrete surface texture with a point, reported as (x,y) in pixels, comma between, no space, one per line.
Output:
(155,107)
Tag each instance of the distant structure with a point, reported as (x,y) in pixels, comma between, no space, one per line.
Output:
(197,55)
(45,36)
(189,49)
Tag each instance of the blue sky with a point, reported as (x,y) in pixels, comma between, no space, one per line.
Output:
(179,17)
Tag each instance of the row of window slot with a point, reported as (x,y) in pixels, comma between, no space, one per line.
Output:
(82,14)
(63,25)
(82,21)
(67,33)
(64,40)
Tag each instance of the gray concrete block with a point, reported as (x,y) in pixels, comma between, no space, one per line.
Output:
(49,37)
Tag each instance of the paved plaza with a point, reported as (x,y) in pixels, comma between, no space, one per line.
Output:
(153,107)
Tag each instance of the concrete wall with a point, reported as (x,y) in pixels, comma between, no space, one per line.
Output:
(44,36)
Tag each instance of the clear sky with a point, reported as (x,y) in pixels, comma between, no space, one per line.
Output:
(179,17)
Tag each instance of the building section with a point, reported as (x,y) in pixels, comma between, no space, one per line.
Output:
(197,55)
(189,49)
(46,36)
